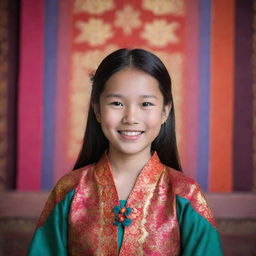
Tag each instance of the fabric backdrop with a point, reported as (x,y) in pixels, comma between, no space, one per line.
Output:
(207,47)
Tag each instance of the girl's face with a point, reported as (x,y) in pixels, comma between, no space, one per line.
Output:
(131,111)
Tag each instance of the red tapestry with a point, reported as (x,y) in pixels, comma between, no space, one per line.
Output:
(100,27)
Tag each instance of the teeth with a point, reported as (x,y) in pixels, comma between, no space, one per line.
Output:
(130,133)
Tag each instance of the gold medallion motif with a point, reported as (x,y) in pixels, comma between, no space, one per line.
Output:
(93,6)
(160,33)
(162,7)
(94,32)
(91,59)
(128,19)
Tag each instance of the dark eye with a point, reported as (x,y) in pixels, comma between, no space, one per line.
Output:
(147,104)
(116,103)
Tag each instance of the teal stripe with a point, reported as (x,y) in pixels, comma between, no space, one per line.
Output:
(198,236)
(52,238)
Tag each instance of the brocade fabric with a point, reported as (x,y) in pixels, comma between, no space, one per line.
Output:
(155,227)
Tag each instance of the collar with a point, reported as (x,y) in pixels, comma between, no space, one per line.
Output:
(145,182)
(148,175)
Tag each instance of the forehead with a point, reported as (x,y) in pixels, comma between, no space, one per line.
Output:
(132,82)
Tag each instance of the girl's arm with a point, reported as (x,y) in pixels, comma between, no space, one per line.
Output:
(51,235)
(198,235)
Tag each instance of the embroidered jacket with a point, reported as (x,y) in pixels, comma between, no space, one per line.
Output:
(169,215)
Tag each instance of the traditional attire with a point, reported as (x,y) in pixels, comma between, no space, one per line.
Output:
(165,214)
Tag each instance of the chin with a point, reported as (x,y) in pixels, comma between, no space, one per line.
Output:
(132,150)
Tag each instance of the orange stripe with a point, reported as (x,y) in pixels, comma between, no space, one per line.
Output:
(221,107)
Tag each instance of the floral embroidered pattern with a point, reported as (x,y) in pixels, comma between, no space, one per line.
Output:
(128,24)
(154,215)
(93,7)
(121,216)
(160,33)
(128,19)
(163,7)
(64,185)
(189,189)
(94,32)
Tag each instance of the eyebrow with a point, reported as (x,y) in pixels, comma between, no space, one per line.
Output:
(114,95)
(149,96)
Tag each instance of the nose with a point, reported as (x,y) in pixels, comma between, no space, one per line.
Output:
(130,115)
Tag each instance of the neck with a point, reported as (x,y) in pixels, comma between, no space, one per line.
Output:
(130,164)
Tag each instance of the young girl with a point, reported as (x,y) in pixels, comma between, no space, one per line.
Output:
(127,194)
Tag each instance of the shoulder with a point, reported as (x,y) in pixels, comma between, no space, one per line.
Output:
(181,184)
(189,191)
(63,190)
(70,181)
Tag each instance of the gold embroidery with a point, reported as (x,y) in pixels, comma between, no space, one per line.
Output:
(187,188)
(161,7)
(154,228)
(94,32)
(92,211)
(64,185)
(94,6)
(151,232)
(94,231)
(127,19)
(160,33)
(90,60)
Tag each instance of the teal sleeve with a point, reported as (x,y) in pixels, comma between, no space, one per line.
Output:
(198,236)
(51,239)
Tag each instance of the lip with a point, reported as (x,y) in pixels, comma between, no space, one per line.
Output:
(130,134)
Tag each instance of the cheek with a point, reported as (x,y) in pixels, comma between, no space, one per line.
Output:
(109,118)
(153,120)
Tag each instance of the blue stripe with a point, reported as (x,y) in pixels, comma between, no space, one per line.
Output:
(50,44)
(204,92)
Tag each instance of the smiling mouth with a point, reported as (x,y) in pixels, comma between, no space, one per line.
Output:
(131,133)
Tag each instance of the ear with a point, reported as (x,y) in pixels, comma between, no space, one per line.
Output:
(96,109)
(166,110)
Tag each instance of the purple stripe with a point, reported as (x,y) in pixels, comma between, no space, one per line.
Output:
(50,44)
(204,90)
(243,111)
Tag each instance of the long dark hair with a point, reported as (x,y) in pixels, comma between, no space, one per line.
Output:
(95,142)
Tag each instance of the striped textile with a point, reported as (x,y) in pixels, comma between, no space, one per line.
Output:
(205,44)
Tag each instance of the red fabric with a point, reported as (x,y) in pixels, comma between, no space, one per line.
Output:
(30,95)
